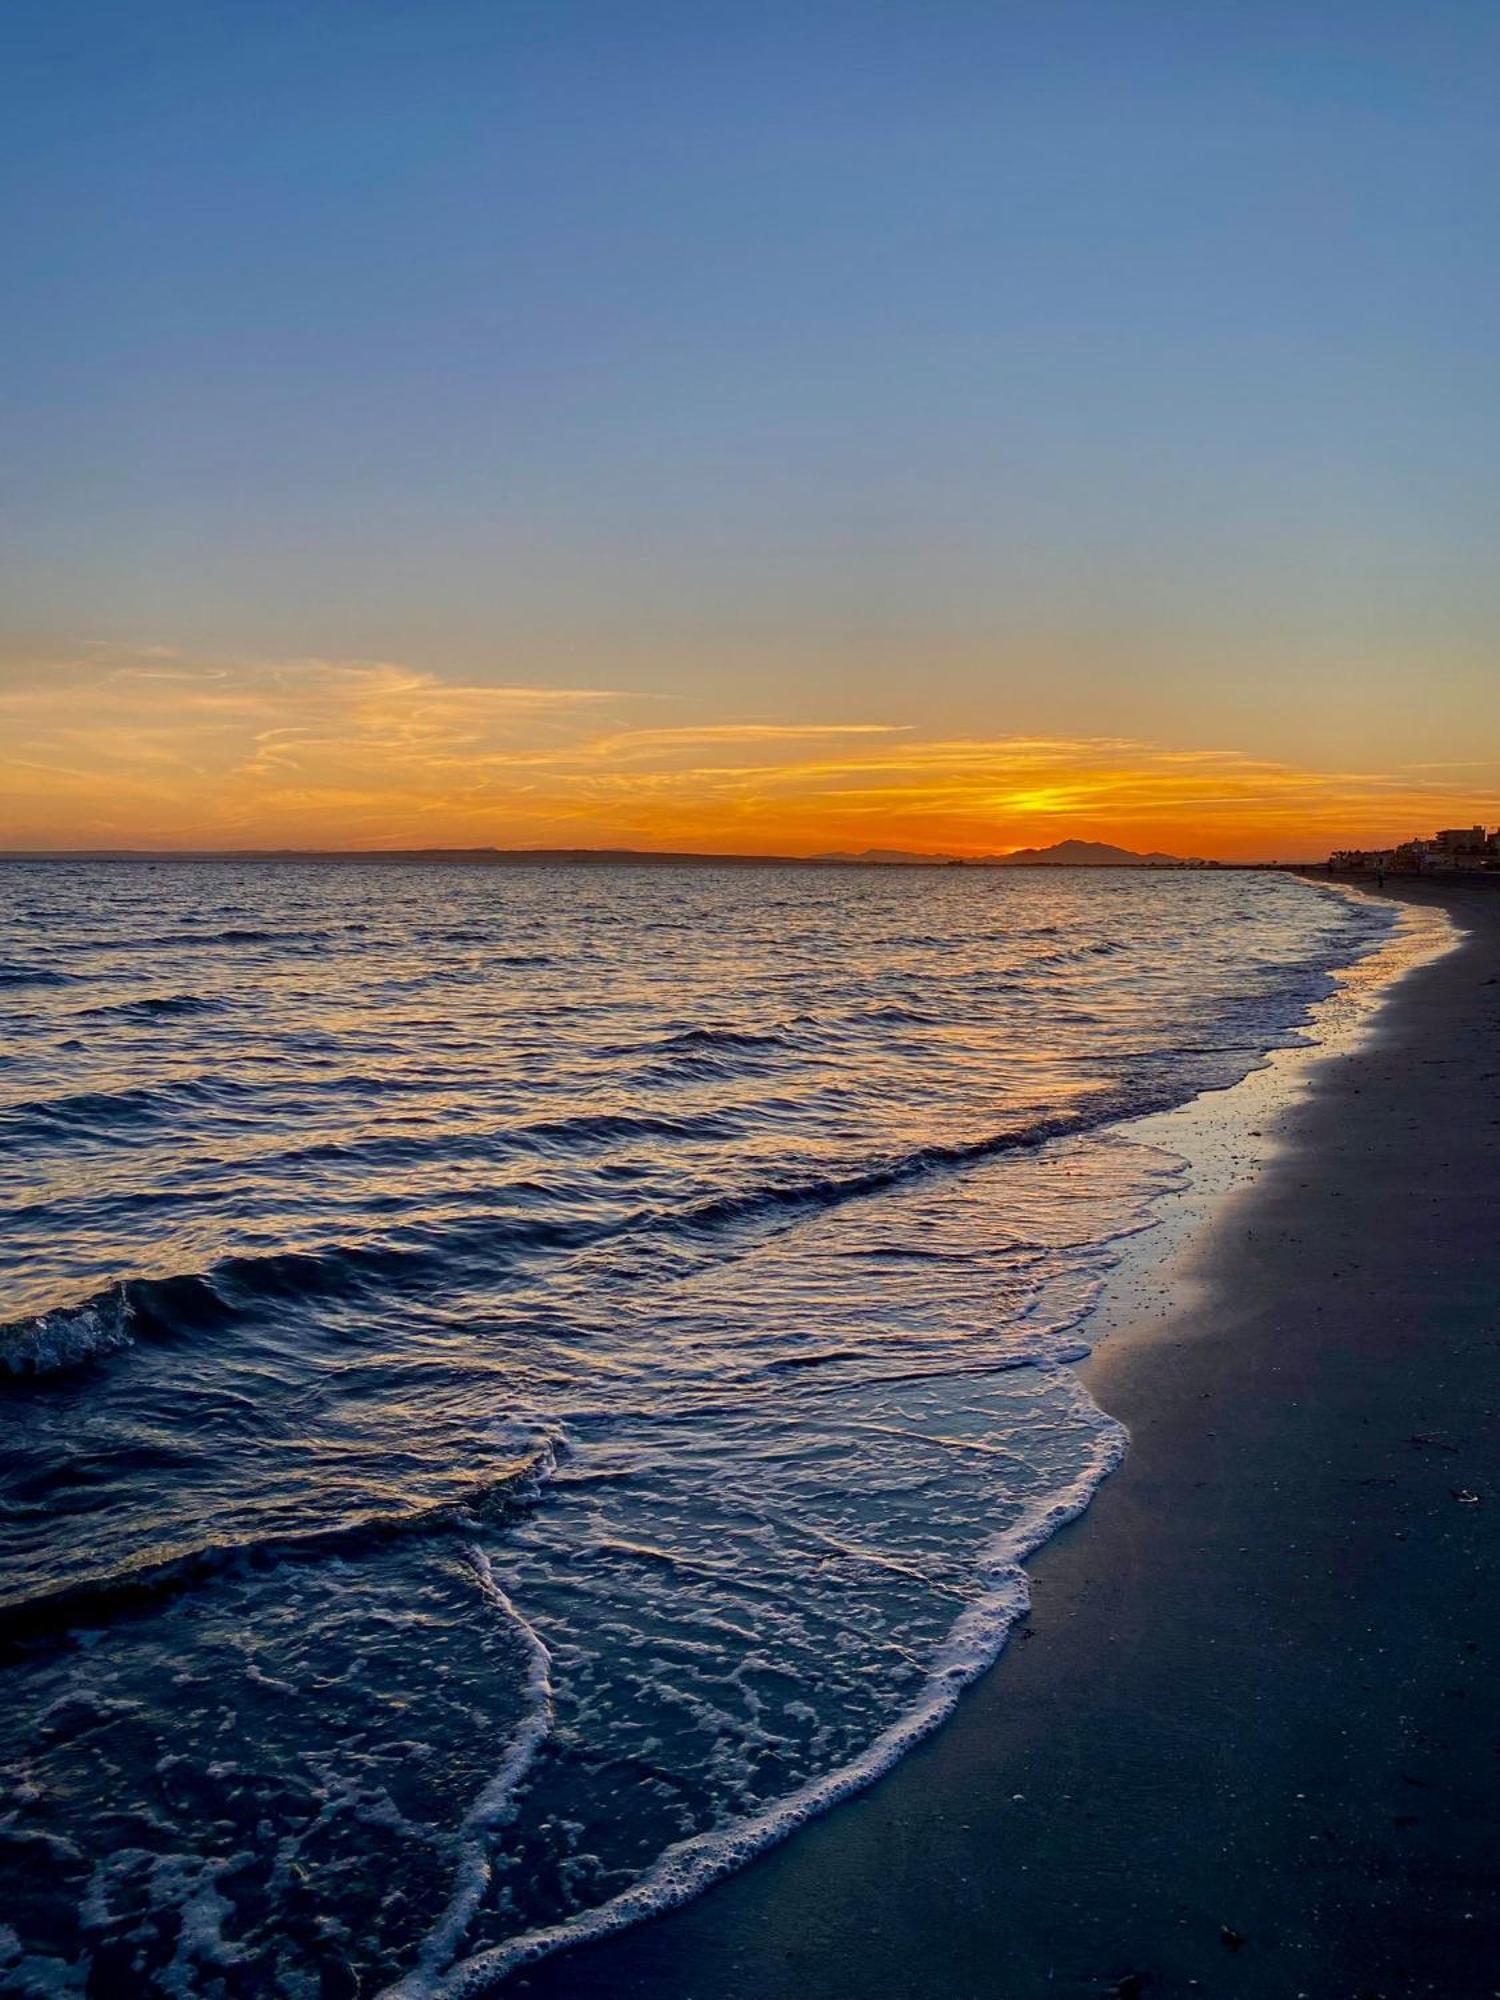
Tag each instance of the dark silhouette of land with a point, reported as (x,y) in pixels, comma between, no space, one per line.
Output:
(1065,854)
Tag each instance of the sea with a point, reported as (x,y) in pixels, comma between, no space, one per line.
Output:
(521,1385)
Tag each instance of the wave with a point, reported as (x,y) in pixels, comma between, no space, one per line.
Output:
(198,940)
(115,1113)
(686,1869)
(12,974)
(61,1339)
(706,1052)
(722,1038)
(894,1014)
(195,1302)
(602,1127)
(55,1343)
(140,1586)
(564,1135)
(68,1337)
(157,1007)
(829,1190)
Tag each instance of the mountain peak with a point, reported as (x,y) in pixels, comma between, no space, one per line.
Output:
(1085,854)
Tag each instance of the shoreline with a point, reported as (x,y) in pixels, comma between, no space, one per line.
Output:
(1227,1137)
(1056,1836)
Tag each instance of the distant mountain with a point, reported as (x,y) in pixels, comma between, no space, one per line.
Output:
(1084,854)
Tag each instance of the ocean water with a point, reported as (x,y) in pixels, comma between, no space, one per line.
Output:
(518,1386)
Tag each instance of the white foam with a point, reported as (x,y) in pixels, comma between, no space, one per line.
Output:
(495,1804)
(684,1870)
(184,1886)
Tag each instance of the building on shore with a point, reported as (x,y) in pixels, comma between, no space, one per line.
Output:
(1453,850)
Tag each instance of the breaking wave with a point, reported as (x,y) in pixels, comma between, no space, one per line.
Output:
(55,1343)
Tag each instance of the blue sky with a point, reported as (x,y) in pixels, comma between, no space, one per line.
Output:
(986,368)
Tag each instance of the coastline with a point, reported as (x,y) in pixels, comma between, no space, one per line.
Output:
(1214,1728)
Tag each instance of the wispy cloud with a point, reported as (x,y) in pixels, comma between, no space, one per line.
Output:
(145,746)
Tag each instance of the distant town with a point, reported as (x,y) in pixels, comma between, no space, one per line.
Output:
(1456,850)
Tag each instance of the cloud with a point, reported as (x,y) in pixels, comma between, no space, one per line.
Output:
(143,746)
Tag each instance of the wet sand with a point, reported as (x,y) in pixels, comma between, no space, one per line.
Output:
(1249,1741)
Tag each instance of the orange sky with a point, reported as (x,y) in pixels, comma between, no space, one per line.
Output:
(144,747)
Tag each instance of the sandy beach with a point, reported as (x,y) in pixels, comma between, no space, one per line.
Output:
(1248,1743)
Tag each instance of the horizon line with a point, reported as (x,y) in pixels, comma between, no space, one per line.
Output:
(869,857)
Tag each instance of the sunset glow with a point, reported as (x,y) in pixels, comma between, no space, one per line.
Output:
(768,430)
(146,748)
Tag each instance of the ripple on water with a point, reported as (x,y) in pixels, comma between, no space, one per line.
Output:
(521,1386)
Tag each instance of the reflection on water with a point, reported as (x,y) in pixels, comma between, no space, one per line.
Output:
(509,1375)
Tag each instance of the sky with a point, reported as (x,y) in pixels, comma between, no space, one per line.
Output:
(770,428)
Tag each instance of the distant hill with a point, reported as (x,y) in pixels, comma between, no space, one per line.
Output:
(1066,854)
(896,857)
(1084,854)
(424,857)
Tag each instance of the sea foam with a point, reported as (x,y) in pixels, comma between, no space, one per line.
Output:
(684,1870)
